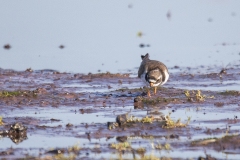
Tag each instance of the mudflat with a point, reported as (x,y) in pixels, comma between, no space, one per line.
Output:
(46,114)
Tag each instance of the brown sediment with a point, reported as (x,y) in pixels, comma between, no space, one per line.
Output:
(54,104)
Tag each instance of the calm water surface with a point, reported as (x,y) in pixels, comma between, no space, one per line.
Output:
(106,36)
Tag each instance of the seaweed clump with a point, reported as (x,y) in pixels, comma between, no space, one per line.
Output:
(4,94)
(196,96)
(9,93)
(169,123)
(120,146)
(126,120)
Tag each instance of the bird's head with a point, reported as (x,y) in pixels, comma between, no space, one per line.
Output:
(145,57)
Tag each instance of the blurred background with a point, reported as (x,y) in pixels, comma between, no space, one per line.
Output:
(98,36)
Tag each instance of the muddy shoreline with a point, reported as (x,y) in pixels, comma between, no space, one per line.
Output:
(66,115)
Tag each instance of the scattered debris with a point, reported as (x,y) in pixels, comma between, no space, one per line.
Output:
(169,15)
(56,151)
(7,46)
(139,34)
(223,71)
(69,125)
(29,70)
(61,46)
(141,45)
(122,138)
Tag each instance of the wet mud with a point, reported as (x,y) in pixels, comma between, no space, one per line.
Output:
(46,114)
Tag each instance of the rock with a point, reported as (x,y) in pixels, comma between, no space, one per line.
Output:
(17,132)
(69,125)
(122,119)
(18,127)
(122,138)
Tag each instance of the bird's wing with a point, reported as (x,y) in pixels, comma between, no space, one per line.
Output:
(152,64)
(141,70)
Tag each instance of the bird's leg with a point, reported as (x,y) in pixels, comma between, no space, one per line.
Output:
(148,92)
(155,90)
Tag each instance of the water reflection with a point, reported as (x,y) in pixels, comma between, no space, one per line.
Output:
(17,133)
(72,42)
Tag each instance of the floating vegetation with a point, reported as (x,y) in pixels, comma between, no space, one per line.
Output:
(196,95)
(9,93)
(120,146)
(169,123)
(18,93)
(1,122)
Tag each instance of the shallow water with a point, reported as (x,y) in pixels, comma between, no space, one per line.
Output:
(89,105)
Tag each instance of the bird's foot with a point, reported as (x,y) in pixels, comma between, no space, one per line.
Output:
(148,94)
(155,90)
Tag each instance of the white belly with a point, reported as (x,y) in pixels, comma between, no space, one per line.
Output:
(157,84)
(166,77)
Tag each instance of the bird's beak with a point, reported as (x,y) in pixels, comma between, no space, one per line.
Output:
(151,84)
